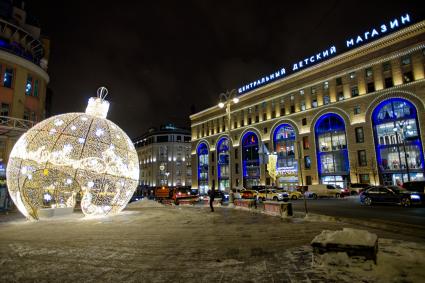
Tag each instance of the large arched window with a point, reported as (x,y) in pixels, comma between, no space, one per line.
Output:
(203,155)
(250,160)
(397,141)
(223,163)
(331,147)
(286,165)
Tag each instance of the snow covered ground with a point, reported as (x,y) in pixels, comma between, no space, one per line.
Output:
(150,242)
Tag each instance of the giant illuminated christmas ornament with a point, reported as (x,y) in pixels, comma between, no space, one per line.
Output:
(72,155)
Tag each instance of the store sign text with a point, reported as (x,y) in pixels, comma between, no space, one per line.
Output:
(367,36)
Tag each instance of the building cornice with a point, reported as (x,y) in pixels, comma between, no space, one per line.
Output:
(13,59)
(345,57)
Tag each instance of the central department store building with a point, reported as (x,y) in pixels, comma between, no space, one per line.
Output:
(357,117)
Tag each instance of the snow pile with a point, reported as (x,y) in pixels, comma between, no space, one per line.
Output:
(348,236)
(144,202)
(398,261)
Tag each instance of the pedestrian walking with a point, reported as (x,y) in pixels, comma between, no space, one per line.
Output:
(211,194)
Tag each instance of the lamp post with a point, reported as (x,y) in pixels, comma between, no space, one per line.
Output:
(403,126)
(226,100)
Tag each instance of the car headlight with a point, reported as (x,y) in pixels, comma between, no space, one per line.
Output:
(415,197)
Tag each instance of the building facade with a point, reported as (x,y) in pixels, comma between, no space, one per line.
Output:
(352,118)
(23,76)
(164,157)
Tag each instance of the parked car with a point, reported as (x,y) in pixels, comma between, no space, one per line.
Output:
(294,195)
(415,186)
(237,192)
(357,188)
(390,195)
(270,194)
(322,190)
(218,195)
(249,194)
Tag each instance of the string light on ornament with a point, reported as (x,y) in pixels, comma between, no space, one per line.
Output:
(70,154)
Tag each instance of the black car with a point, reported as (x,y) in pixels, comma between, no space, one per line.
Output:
(390,195)
(415,186)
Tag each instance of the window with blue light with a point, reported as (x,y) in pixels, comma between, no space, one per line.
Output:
(223,163)
(331,147)
(287,164)
(203,166)
(8,78)
(250,160)
(397,142)
(28,85)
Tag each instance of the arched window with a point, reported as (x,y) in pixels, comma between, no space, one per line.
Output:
(331,148)
(250,160)
(203,162)
(400,157)
(223,163)
(286,165)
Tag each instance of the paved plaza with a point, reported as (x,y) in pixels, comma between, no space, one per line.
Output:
(155,243)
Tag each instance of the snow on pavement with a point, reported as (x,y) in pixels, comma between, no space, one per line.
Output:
(154,243)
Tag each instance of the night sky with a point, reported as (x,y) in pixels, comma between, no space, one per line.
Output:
(162,60)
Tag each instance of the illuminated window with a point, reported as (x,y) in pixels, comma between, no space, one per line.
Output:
(326,85)
(340,96)
(286,164)
(407,77)
(369,72)
(326,99)
(251,160)
(314,103)
(29,85)
(302,105)
(313,90)
(8,78)
(397,141)
(307,162)
(405,60)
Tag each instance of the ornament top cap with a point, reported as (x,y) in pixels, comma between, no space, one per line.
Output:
(98,106)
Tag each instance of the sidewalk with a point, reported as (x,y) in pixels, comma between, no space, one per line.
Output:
(154,243)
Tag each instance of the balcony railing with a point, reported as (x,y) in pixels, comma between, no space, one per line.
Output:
(11,125)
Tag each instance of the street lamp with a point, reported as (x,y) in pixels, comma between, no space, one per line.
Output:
(226,99)
(403,126)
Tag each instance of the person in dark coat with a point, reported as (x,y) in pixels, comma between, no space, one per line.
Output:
(211,195)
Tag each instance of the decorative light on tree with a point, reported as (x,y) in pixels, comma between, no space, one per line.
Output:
(71,154)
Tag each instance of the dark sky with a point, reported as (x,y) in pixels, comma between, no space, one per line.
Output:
(159,59)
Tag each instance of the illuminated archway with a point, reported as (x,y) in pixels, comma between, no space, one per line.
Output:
(397,140)
(250,160)
(203,166)
(287,164)
(223,163)
(331,147)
